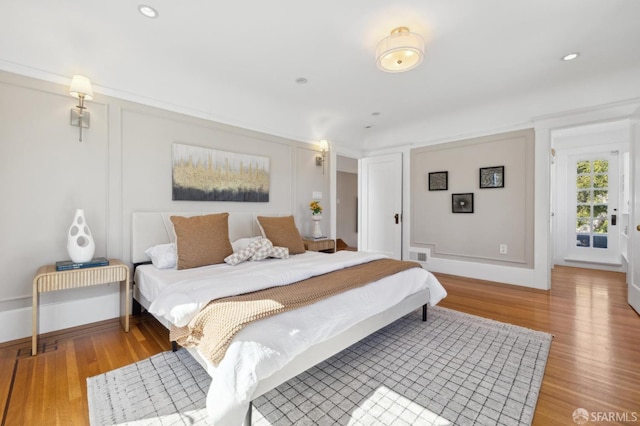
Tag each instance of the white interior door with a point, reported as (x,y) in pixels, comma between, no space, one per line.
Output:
(381,205)
(592,214)
(634,225)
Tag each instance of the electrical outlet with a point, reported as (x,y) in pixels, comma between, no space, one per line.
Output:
(503,249)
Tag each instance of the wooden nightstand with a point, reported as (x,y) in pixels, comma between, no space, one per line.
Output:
(48,279)
(325,245)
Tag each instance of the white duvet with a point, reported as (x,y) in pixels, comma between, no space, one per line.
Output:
(264,347)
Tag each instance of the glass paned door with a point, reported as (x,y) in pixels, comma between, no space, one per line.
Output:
(592,204)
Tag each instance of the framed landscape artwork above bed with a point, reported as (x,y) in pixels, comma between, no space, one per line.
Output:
(204,174)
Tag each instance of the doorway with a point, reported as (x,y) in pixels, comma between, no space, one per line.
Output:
(346,203)
(586,195)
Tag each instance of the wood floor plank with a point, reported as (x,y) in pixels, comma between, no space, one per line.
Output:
(78,412)
(594,360)
(7,363)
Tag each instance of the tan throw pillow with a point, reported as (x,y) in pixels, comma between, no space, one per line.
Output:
(282,232)
(202,240)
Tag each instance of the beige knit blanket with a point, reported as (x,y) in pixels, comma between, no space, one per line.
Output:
(213,328)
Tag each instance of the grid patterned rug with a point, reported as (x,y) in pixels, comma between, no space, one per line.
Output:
(454,369)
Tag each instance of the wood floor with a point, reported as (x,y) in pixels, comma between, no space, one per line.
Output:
(594,361)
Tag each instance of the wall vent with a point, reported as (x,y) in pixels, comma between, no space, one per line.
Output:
(419,254)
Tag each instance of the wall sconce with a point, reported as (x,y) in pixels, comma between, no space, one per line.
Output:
(324,147)
(80,88)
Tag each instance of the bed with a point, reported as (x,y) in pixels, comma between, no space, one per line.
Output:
(255,362)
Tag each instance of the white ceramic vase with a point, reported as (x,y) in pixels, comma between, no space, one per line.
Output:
(317,232)
(80,244)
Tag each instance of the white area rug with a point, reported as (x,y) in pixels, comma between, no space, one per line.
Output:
(454,369)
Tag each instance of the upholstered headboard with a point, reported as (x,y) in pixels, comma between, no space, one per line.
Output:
(151,228)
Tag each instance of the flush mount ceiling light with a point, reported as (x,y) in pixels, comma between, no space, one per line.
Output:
(148,11)
(400,51)
(570,56)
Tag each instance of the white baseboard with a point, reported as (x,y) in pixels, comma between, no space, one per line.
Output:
(614,267)
(58,316)
(483,271)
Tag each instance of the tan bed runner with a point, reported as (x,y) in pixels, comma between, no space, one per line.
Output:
(213,328)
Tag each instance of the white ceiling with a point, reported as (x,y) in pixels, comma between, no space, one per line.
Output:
(488,64)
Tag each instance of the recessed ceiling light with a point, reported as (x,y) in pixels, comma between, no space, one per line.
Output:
(301,80)
(148,11)
(571,56)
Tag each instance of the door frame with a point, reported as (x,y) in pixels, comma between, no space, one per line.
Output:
(633,273)
(560,227)
(582,137)
(545,127)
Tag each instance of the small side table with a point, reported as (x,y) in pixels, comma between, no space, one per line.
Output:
(48,279)
(324,245)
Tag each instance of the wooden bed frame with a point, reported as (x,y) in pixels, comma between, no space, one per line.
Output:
(152,228)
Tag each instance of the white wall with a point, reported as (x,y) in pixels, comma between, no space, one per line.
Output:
(122,166)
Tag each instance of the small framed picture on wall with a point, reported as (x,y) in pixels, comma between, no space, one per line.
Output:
(462,203)
(438,181)
(492,177)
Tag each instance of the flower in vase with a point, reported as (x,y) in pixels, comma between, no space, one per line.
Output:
(315,207)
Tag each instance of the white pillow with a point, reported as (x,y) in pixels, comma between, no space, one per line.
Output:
(242,243)
(163,256)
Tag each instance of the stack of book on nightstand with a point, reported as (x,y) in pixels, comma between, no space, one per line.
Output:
(66,265)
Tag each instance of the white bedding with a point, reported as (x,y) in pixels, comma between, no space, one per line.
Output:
(254,353)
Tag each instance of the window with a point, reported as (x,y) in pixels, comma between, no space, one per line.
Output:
(592,197)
